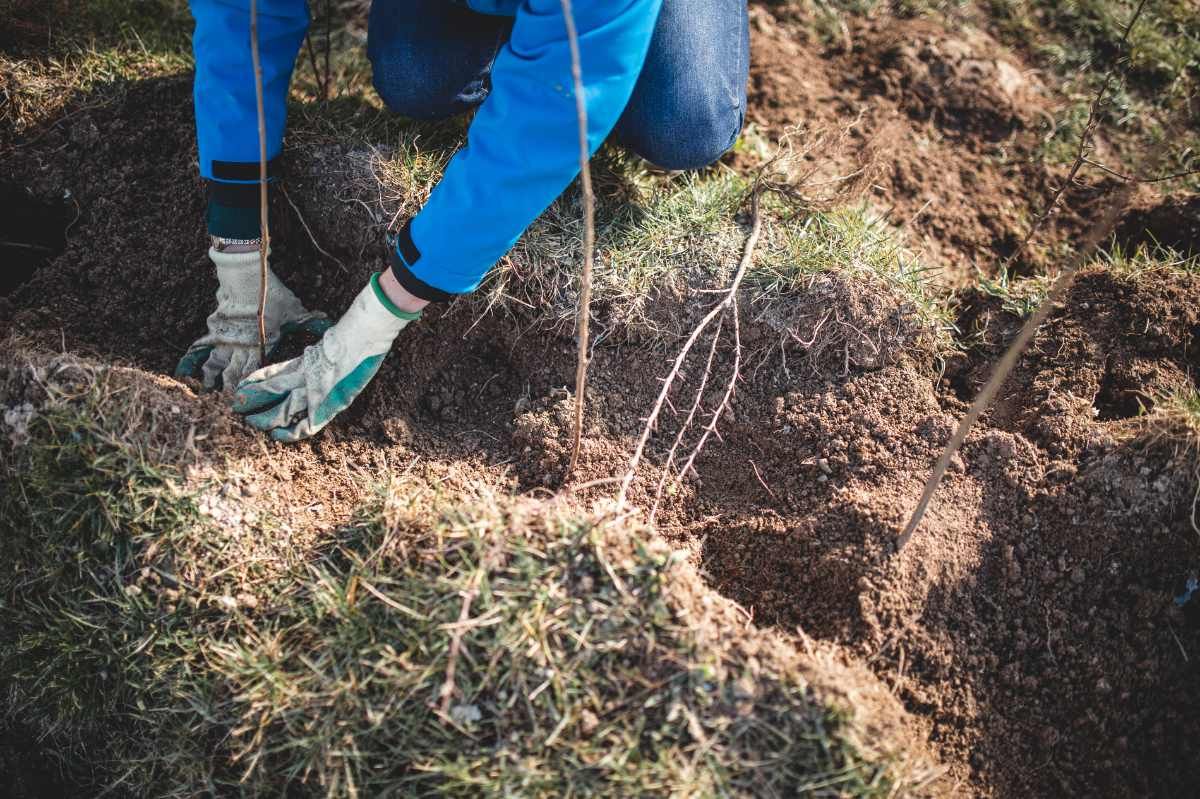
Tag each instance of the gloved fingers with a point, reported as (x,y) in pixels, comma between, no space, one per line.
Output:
(259,391)
(278,419)
(281,414)
(189,364)
(212,369)
(276,372)
(315,324)
(344,391)
(261,396)
(241,363)
(298,432)
(307,317)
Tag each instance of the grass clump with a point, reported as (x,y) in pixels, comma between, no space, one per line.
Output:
(1145,260)
(665,243)
(80,498)
(590,664)
(1173,423)
(1164,47)
(590,659)
(1019,296)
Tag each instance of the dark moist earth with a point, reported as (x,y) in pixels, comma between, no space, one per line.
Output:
(1030,627)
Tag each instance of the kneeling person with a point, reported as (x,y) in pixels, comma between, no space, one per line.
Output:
(667,77)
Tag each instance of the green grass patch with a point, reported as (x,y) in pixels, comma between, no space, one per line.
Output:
(1021,295)
(1164,46)
(1144,260)
(151,651)
(661,239)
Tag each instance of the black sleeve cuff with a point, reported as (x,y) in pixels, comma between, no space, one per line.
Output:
(404,254)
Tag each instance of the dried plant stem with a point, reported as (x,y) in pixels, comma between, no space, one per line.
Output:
(669,381)
(1099,230)
(1085,141)
(322,79)
(265,242)
(584,312)
(308,230)
(460,628)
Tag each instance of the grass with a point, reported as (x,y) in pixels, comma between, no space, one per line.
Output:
(1164,54)
(594,660)
(1021,295)
(84,52)
(1174,422)
(1080,41)
(1018,296)
(1145,260)
(663,239)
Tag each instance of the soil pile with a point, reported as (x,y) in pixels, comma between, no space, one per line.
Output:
(1030,626)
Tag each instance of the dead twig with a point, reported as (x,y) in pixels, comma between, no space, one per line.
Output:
(718,309)
(1135,178)
(460,628)
(1100,229)
(264,244)
(1085,141)
(322,79)
(589,236)
(763,482)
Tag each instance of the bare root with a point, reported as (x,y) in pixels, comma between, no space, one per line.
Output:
(729,301)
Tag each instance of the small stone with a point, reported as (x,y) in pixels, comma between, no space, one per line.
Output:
(1078,575)
(250,490)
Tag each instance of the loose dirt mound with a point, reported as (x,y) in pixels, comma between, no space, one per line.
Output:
(1029,626)
(1173,222)
(1032,618)
(952,122)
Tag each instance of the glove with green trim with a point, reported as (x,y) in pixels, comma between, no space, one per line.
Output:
(295,399)
(230,350)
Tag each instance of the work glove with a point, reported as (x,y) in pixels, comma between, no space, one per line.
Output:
(230,350)
(295,399)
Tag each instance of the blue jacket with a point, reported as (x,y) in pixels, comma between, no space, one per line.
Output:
(522,148)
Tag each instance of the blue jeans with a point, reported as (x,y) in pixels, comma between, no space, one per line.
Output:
(433,59)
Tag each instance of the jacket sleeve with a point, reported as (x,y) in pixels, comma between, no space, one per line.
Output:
(226,107)
(522,147)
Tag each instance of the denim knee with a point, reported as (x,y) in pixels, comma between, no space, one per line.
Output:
(411,98)
(691,141)
(431,59)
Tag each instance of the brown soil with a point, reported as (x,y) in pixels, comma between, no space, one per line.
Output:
(1029,628)
(1172,222)
(950,121)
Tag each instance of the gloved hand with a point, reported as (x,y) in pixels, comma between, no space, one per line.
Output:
(295,399)
(230,350)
